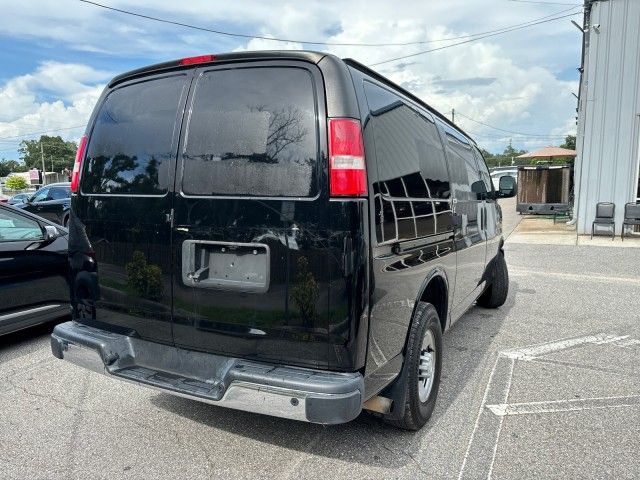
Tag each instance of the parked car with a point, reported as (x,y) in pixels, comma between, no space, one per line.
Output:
(51,202)
(18,198)
(498,174)
(33,270)
(280,232)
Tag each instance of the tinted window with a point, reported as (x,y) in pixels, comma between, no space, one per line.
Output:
(252,133)
(59,193)
(411,164)
(15,227)
(133,139)
(41,195)
(465,177)
(484,171)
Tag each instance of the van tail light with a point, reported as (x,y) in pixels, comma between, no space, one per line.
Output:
(196,60)
(77,165)
(347,170)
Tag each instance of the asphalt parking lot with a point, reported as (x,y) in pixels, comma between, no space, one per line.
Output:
(545,387)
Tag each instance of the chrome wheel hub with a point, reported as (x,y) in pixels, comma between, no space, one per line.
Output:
(426,366)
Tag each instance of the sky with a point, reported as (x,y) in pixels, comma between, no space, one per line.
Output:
(56,56)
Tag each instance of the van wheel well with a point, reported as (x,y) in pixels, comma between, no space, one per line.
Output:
(435,293)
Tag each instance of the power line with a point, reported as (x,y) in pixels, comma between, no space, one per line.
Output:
(42,132)
(471,40)
(308,42)
(510,131)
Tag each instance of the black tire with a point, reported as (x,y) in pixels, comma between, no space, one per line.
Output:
(496,292)
(408,411)
(65,221)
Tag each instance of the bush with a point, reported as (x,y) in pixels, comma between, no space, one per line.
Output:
(16,183)
(144,278)
(305,293)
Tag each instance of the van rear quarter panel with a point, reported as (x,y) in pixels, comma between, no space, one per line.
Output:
(398,276)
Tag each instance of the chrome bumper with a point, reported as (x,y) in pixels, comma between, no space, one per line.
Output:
(287,392)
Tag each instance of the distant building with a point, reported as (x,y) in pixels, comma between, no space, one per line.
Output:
(608,139)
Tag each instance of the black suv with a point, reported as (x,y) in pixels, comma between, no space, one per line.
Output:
(280,232)
(51,202)
(34,270)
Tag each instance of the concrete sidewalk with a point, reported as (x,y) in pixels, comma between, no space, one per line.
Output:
(540,230)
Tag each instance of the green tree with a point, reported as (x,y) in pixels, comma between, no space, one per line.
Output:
(569,142)
(504,158)
(10,166)
(16,183)
(57,153)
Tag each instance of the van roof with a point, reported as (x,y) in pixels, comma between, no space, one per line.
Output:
(306,55)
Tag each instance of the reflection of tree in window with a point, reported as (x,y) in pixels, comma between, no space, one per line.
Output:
(132,139)
(117,174)
(256,139)
(286,127)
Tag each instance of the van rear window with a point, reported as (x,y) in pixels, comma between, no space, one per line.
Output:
(252,133)
(132,141)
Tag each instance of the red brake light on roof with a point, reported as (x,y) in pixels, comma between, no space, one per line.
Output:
(198,59)
(77,165)
(347,170)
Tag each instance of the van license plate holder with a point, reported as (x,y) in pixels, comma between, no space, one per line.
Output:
(226,265)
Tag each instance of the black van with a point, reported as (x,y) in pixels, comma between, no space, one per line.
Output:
(280,232)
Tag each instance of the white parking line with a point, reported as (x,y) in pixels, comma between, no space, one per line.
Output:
(506,397)
(475,426)
(481,453)
(577,277)
(534,351)
(573,405)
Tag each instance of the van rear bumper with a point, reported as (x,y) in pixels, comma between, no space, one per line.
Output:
(289,392)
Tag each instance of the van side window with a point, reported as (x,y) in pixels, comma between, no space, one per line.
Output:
(484,171)
(412,188)
(252,132)
(133,138)
(465,177)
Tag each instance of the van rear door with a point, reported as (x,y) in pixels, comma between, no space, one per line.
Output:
(124,207)
(251,213)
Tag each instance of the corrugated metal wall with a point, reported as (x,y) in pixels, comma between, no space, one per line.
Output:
(608,120)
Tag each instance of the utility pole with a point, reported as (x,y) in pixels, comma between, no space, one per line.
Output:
(511,149)
(453,115)
(44,177)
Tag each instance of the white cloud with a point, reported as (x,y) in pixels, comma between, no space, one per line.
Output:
(510,81)
(56,96)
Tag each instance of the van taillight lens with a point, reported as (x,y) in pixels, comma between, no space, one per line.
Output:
(77,165)
(347,170)
(196,60)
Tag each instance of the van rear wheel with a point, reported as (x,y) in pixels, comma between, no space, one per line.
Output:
(495,294)
(416,390)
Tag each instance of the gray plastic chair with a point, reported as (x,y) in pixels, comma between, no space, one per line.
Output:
(631,216)
(605,213)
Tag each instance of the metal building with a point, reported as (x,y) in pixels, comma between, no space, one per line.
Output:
(608,137)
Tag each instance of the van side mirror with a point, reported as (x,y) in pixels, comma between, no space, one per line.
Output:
(507,186)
